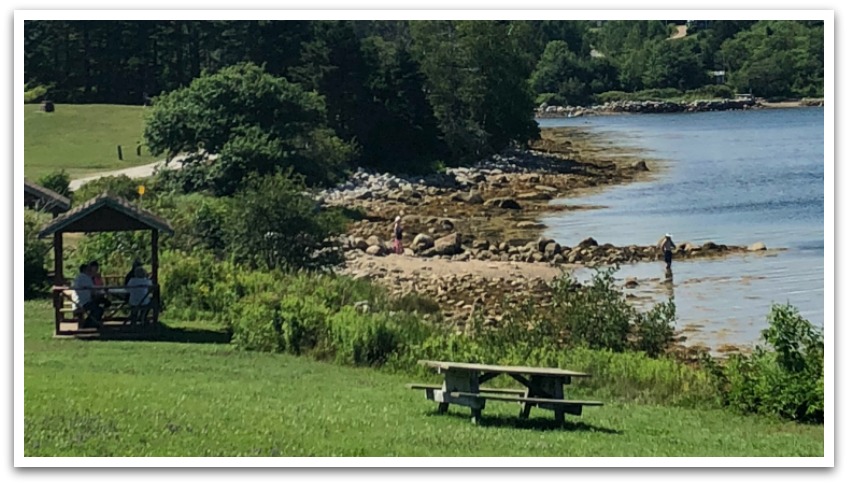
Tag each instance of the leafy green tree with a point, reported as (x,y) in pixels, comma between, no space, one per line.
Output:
(477,74)
(777,58)
(673,64)
(272,224)
(35,256)
(254,122)
(58,181)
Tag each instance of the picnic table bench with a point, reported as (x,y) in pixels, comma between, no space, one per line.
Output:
(543,388)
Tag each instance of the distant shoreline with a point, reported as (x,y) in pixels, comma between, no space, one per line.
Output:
(663,106)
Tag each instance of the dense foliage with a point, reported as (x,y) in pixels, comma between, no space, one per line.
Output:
(35,256)
(253,121)
(405,94)
(783,378)
(58,181)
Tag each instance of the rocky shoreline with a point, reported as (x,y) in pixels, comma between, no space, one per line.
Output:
(645,107)
(472,240)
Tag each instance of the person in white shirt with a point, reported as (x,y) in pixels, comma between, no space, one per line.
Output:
(140,296)
(83,286)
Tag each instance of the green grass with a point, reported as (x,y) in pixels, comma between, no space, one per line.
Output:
(122,398)
(82,139)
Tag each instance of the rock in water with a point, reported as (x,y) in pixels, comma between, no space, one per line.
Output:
(640,166)
(757,246)
(588,242)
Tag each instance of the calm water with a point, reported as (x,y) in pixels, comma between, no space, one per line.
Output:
(728,177)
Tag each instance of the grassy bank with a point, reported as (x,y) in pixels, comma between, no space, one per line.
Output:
(82,139)
(197,398)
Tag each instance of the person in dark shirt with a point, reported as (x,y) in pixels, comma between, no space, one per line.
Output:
(131,274)
(398,235)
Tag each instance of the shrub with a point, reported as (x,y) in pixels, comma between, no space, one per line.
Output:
(58,181)
(597,315)
(303,323)
(120,185)
(361,338)
(784,378)
(271,224)
(35,257)
(34,94)
(655,329)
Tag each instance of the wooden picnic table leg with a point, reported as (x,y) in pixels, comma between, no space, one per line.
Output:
(461,380)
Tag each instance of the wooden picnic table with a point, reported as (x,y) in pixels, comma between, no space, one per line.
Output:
(543,388)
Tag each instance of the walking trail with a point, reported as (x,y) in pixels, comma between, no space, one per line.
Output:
(132,172)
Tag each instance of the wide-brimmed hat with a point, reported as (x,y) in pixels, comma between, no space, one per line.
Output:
(397,219)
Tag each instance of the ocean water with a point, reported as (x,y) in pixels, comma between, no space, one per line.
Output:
(733,177)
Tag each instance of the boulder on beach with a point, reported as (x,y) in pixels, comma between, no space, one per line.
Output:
(534,196)
(422,241)
(474,198)
(358,243)
(448,245)
(376,250)
(530,225)
(375,241)
(551,249)
(503,203)
(542,242)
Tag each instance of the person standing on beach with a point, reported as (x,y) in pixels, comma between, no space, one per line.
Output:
(398,236)
(667,246)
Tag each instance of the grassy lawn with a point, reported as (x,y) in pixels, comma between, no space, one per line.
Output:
(169,398)
(82,139)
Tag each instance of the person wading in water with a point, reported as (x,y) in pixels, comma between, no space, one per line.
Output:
(667,246)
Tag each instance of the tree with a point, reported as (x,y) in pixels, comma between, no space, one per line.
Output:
(272,224)
(253,121)
(777,58)
(477,83)
(673,64)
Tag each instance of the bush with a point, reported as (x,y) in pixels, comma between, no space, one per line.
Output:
(597,315)
(271,224)
(786,377)
(121,186)
(35,257)
(362,339)
(58,181)
(34,94)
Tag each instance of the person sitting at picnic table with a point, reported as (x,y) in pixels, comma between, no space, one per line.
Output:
(131,274)
(98,295)
(139,295)
(83,299)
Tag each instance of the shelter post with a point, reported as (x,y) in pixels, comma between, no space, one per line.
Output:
(154,258)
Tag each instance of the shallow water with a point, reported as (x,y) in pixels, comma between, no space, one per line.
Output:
(729,177)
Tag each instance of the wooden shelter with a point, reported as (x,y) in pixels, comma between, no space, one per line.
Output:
(43,199)
(105,213)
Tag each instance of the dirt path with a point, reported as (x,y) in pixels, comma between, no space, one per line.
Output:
(132,172)
(681,32)
(396,264)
